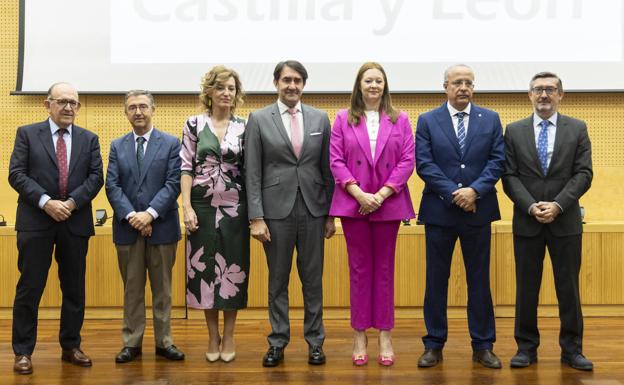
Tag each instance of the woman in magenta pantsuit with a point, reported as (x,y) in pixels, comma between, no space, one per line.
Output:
(372,158)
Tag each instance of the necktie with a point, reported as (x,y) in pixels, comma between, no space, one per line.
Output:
(461,131)
(140,151)
(296,136)
(542,146)
(61,160)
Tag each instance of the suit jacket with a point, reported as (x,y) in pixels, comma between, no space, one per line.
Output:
(33,172)
(569,175)
(351,161)
(156,186)
(272,171)
(443,168)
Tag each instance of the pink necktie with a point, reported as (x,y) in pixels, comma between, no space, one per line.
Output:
(296,136)
(61,160)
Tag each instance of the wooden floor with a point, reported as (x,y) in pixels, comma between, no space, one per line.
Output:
(604,344)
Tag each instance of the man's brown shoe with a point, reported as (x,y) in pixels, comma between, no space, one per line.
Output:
(76,357)
(23,364)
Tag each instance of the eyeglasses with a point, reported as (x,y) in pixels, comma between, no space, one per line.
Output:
(142,107)
(549,90)
(459,83)
(73,104)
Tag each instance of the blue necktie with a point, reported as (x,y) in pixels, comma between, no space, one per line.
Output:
(140,151)
(542,146)
(461,131)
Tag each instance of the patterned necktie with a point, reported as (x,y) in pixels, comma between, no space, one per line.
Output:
(542,146)
(61,161)
(296,136)
(140,151)
(461,131)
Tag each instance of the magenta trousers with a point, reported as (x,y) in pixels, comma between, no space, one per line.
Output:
(371,246)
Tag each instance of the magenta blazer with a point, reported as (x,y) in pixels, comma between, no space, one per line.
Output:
(351,161)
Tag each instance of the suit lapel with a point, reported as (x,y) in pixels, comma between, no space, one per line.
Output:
(153,146)
(385,128)
(46,140)
(474,125)
(130,150)
(446,125)
(76,146)
(279,126)
(308,121)
(529,134)
(361,134)
(562,123)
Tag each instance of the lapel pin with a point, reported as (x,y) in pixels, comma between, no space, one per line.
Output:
(479,115)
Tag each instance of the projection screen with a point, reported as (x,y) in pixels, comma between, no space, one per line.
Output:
(109,46)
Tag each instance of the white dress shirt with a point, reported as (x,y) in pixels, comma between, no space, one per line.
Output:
(283,109)
(552,130)
(372,124)
(453,111)
(146,136)
(68,142)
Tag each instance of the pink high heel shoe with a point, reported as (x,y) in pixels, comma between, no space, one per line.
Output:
(385,360)
(359,359)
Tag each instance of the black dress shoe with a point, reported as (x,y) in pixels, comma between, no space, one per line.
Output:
(316,355)
(170,353)
(431,357)
(487,358)
(522,360)
(128,354)
(578,362)
(273,356)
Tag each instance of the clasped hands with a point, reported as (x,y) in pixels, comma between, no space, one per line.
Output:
(260,231)
(466,199)
(142,221)
(59,210)
(369,202)
(545,212)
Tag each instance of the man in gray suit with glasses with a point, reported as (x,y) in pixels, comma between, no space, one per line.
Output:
(289,190)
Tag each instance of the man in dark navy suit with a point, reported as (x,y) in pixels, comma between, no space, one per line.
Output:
(56,168)
(142,186)
(460,156)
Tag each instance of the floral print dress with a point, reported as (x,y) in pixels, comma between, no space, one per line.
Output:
(217,253)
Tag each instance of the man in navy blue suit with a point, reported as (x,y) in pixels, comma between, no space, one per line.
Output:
(460,156)
(142,186)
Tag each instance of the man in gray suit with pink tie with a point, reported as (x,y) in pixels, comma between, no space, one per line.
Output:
(289,190)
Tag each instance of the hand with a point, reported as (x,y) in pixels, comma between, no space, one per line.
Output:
(330,227)
(140,220)
(368,203)
(259,230)
(190,219)
(57,209)
(545,212)
(71,205)
(465,198)
(147,231)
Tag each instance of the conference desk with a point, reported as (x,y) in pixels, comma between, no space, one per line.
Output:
(602,276)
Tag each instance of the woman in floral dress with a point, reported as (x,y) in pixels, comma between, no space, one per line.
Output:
(215,209)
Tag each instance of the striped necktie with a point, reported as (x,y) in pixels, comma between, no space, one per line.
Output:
(140,154)
(461,131)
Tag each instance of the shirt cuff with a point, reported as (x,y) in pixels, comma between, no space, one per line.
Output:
(560,208)
(43,200)
(131,213)
(152,212)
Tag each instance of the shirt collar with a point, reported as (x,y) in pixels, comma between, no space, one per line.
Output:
(537,120)
(54,127)
(283,107)
(146,135)
(453,111)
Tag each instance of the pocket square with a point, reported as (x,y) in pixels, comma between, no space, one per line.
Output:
(315,133)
